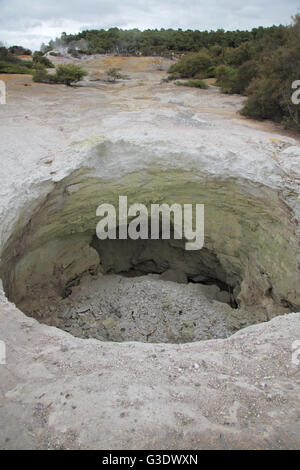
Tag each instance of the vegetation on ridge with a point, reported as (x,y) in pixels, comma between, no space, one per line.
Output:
(263,69)
(153,41)
(11,63)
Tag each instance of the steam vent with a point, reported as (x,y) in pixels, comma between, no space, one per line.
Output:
(121,344)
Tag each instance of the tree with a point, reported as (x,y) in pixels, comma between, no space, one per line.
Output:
(227,79)
(269,93)
(192,65)
(163,41)
(245,74)
(19,50)
(69,73)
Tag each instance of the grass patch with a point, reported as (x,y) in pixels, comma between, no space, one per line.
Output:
(14,68)
(194,83)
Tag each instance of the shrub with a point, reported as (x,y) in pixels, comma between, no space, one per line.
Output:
(236,56)
(114,74)
(194,83)
(69,73)
(269,94)
(12,64)
(66,74)
(227,79)
(263,100)
(191,65)
(19,50)
(39,58)
(14,68)
(211,72)
(173,76)
(27,63)
(245,74)
(41,76)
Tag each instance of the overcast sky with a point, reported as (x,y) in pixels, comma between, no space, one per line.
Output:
(31,22)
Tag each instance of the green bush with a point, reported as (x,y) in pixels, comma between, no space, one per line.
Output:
(69,73)
(194,83)
(14,68)
(39,59)
(191,65)
(19,50)
(12,64)
(42,76)
(66,74)
(27,63)
(227,79)
(263,100)
(269,94)
(236,56)
(245,74)
(173,76)
(114,74)
(211,72)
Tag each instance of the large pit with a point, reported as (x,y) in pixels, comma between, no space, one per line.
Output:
(56,270)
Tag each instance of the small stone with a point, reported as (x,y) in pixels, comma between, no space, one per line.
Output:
(188,324)
(187,334)
(108,323)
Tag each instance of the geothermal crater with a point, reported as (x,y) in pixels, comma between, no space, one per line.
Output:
(67,150)
(59,272)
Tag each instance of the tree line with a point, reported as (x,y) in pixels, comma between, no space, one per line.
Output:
(154,41)
(263,69)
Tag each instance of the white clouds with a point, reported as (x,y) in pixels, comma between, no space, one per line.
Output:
(32,35)
(31,22)
(36,32)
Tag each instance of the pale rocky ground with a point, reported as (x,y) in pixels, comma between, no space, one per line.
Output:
(60,391)
(146,308)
